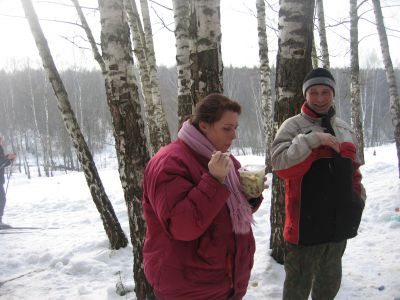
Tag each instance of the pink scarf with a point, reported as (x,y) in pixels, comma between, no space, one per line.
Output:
(240,210)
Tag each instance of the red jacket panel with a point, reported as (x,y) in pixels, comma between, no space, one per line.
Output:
(190,251)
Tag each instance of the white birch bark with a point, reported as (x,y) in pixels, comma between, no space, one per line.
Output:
(162,130)
(130,142)
(157,126)
(111,225)
(293,63)
(139,49)
(390,75)
(265,81)
(322,34)
(36,130)
(355,81)
(314,55)
(182,21)
(205,48)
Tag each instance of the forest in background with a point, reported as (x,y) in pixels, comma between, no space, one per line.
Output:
(33,126)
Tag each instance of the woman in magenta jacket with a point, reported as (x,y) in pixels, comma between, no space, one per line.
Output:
(199,243)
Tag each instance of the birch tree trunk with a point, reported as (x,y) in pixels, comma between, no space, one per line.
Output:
(205,48)
(314,55)
(111,225)
(390,75)
(48,161)
(36,135)
(322,34)
(355,81)
(140,52)
(161,130)
(182,21)
(293,63)
(123,100)
(265,81)
(156,121)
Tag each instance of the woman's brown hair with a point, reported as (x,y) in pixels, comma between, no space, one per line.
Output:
(211,108)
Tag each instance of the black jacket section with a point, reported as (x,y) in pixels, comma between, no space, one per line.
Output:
(330,209)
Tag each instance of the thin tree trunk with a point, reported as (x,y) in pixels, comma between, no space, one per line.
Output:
(293,63)
(36,131)
(111,225)
(157,126)
(46,141)
(322,34)
(314,55)
(22,148)
(162,130)
(92,41)
(140,53)
(390,75)
(182,21)
(374,113)
(265,80)
(48,131)
(355,81)
(123,100)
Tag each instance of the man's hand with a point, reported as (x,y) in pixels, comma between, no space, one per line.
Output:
(219,166)
(329,140)
(11,156)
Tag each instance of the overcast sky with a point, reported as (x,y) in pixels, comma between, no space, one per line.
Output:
(239,34)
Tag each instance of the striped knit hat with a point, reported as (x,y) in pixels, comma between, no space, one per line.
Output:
(318,76)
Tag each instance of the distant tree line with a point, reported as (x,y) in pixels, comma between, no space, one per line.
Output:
(33,127)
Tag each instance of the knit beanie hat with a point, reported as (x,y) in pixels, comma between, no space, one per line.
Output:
(318,76)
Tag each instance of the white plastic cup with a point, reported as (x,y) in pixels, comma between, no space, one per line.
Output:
(252,179)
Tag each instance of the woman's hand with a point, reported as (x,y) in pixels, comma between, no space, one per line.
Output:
(219,165)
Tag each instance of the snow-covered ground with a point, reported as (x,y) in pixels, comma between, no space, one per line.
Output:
(69,257)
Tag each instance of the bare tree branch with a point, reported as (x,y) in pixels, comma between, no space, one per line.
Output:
(166,26)
(71,40)
(88,31)
(67,5)
(163,6)
(41,19)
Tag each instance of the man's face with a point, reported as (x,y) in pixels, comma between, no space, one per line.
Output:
(319,98)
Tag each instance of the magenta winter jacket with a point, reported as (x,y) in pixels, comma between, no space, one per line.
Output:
(190,251)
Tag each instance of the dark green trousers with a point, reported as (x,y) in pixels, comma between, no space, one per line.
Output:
(316,268)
